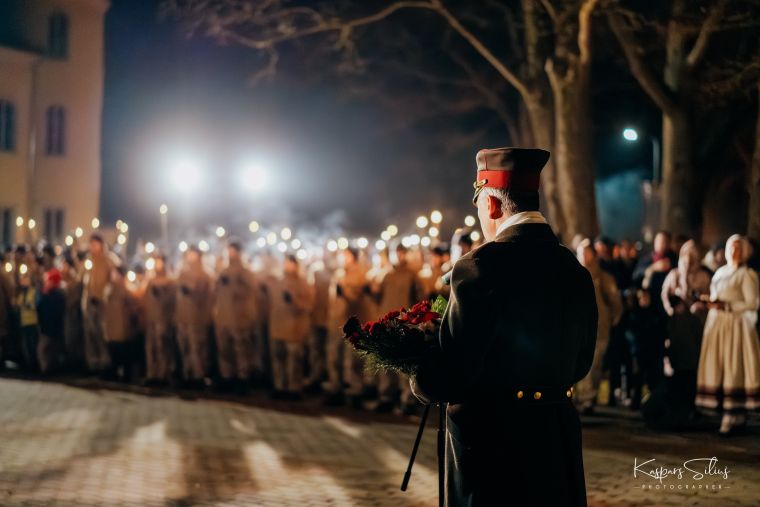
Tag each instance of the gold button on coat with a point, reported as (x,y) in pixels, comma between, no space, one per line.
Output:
(537,395)
(519,394)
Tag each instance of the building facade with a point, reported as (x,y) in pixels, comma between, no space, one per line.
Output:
(51,96)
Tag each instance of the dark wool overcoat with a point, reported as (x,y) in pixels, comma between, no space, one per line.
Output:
(519,331)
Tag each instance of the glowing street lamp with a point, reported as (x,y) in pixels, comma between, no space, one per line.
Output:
(186,175)
(630,134)
(436,217)
(254,178)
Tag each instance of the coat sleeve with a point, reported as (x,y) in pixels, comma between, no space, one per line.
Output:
(451,370)
(590,318)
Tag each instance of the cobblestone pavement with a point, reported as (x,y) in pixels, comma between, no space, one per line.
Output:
(70,446)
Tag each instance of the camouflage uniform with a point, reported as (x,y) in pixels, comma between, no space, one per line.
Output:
(159,303)
(95,280)
(235,319)
(291,303)
(194,303)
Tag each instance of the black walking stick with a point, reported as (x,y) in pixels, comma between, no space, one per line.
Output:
(441,450)
(413,456)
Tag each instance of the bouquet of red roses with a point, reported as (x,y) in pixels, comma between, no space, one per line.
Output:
(399,339)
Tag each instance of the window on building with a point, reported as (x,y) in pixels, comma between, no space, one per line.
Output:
(55,141)
(6,227)
(58,35)
(7,126)
(54,224)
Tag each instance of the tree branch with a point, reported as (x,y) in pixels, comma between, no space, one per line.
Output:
(709,25)
(643,74)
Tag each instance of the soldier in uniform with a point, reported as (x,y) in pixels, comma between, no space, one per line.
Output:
(193,317)
(120,315)
(398,288)
(518,332)
(290,324)
(159,303)
(235,320)
(95,280)
(346,291)
(320,281)
(72,320)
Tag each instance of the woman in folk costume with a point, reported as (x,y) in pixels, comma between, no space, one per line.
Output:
(728,378)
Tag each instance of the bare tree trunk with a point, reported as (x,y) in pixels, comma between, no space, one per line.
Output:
(678,202)
(753,225)
(573,161)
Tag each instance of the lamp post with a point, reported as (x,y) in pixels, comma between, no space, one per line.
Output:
(650,192)
(163,210)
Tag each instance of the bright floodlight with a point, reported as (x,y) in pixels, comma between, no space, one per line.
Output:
(254,178)
(220,232)
(469,220)
(95,223)
(253,226)
(436,217)
(422,222)
(630,134)
(163,209)
(186,175)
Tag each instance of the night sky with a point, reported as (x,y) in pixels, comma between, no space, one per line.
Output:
(334,162)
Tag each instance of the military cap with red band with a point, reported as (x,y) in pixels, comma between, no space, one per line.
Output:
(516,169)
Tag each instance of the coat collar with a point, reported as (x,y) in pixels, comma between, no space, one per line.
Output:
(527,231)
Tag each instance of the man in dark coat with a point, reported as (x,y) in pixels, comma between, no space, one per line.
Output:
(519,331)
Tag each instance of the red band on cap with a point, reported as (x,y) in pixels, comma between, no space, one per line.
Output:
(527,182)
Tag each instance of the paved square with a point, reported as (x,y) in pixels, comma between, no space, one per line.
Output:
(69,446)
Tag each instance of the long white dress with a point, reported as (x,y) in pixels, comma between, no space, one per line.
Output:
(728,378)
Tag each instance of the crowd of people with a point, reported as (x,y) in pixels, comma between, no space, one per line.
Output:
(677,329)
